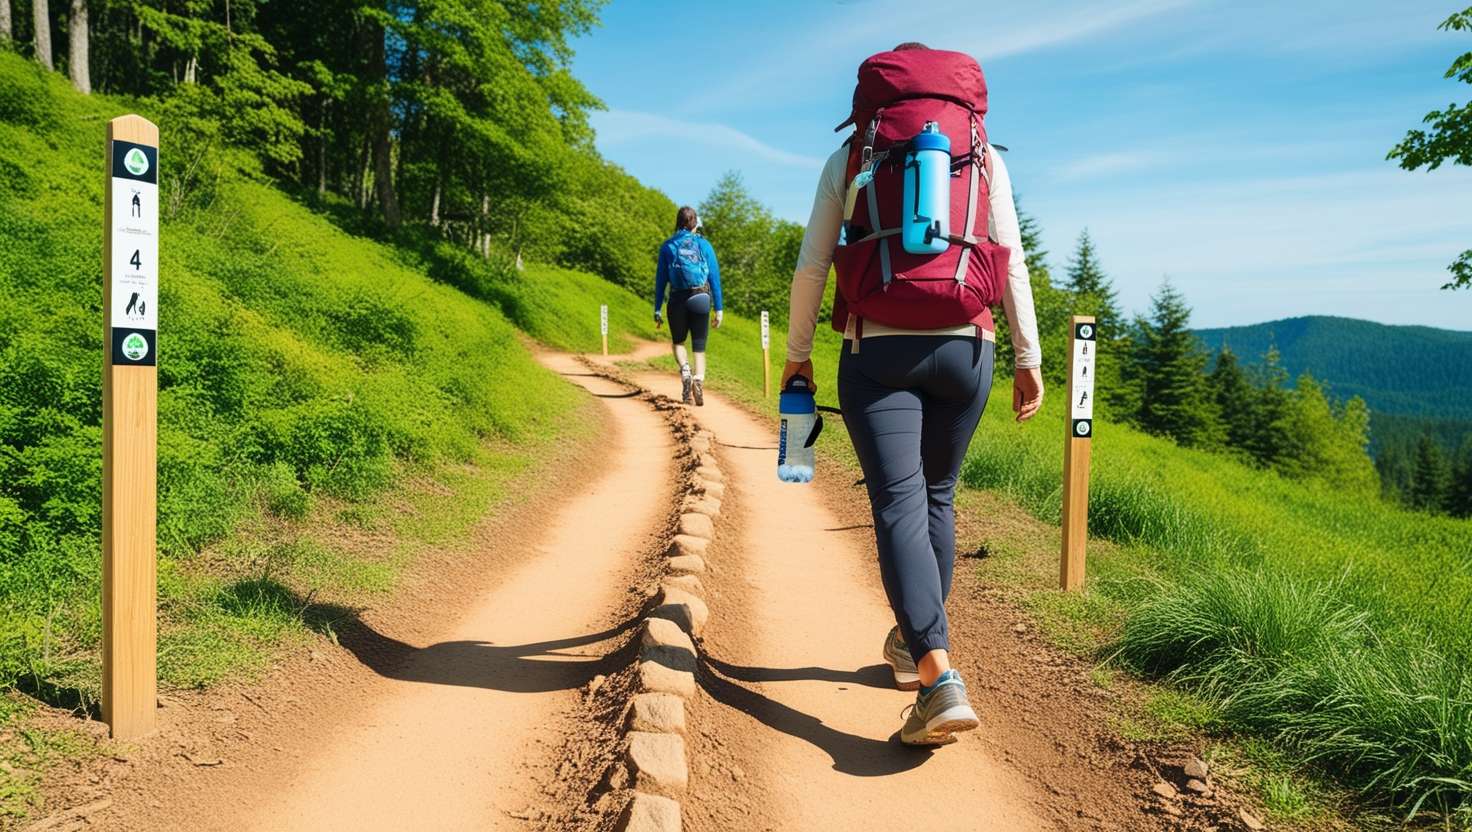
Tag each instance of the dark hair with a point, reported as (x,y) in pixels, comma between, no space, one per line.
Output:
(908,45)
(685,219)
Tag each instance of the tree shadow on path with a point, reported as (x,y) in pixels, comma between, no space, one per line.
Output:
(538,667)
(851,754)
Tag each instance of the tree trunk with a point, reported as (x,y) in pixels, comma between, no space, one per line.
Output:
(191,70)
(6,29)
(383,163)
(41,14)
(322,151)
(78,66)
(360,175)
(434,204)
(485,221)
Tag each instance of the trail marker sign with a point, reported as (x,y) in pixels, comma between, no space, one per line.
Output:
(1082,366)
(603,326)
(130,428)
(766,355)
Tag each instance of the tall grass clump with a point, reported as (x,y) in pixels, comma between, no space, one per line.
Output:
(1288,659)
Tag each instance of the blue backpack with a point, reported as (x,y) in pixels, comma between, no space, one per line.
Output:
(689,270)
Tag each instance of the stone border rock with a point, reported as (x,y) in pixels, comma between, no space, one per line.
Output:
(655,764)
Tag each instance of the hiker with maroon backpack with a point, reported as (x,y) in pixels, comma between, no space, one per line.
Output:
(687,266)
(916,283)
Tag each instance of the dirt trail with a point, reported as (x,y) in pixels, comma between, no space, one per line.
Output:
(447,746)
(801,698)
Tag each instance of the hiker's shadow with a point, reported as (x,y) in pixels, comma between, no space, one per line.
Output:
(851,754)
(537,667)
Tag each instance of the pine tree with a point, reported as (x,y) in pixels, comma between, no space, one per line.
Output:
(1269,438)
(1032,242)
(1051,304)
(1459,495)
(1429,483)
(1093,291)
(1394,463)
(1176,401)
(1236,401)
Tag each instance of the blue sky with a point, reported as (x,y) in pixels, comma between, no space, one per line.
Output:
(1236,147)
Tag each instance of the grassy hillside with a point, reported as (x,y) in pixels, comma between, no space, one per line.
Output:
(1417,376)
(305,373)
(1333,624)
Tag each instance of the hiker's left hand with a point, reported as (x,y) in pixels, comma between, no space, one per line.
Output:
(719,313)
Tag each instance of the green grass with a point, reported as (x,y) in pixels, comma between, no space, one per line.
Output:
(1333,625)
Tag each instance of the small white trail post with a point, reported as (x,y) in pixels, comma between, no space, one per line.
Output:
(766,357)
(130,428)
(603,326)
(1083,349)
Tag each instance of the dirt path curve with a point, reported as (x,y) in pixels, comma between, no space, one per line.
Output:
(445,744)
(795,671)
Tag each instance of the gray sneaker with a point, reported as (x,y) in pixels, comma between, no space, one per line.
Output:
(939,713)
(698,388)
(897,656)
(685,384)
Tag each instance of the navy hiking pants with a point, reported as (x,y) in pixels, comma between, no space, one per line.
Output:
(911,404)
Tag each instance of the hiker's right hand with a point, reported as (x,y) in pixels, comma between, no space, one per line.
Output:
(658,320)
(1027,393)
(798,368)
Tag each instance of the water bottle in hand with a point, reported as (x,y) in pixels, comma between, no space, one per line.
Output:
(801,425)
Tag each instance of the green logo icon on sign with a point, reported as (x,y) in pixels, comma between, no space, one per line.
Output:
(136,161)
(135,347)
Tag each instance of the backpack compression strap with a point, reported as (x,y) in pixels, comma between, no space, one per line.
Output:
(979,168)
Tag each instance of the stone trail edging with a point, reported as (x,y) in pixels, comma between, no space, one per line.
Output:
(655,761)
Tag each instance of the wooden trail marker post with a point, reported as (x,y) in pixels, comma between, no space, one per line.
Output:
(603,326)
(1083,349)
(130,428)
(766,356)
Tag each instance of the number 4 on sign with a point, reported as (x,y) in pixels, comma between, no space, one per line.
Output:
(136,260)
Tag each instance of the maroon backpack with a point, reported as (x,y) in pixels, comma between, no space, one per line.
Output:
(877,279)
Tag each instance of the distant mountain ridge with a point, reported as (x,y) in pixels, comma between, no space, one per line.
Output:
(1408,375)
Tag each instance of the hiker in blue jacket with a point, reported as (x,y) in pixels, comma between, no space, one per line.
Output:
(688,267)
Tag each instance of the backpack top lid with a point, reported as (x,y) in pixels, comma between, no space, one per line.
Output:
(916,73)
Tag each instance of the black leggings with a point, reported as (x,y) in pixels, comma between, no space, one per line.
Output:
(689,314)
(911,404)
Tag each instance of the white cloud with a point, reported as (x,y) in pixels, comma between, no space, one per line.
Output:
(1065,26)
(1106,164)
(832,47)
(1370,243)
(625,127)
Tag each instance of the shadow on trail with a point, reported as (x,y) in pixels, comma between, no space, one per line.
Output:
(538,667)
(851,754)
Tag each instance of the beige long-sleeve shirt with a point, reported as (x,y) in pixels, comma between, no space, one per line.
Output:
(816,256)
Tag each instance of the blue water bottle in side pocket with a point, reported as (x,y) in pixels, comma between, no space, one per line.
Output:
(801,425)
(926,220)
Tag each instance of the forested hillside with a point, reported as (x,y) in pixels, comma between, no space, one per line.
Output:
(457,116)
(1408,371)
